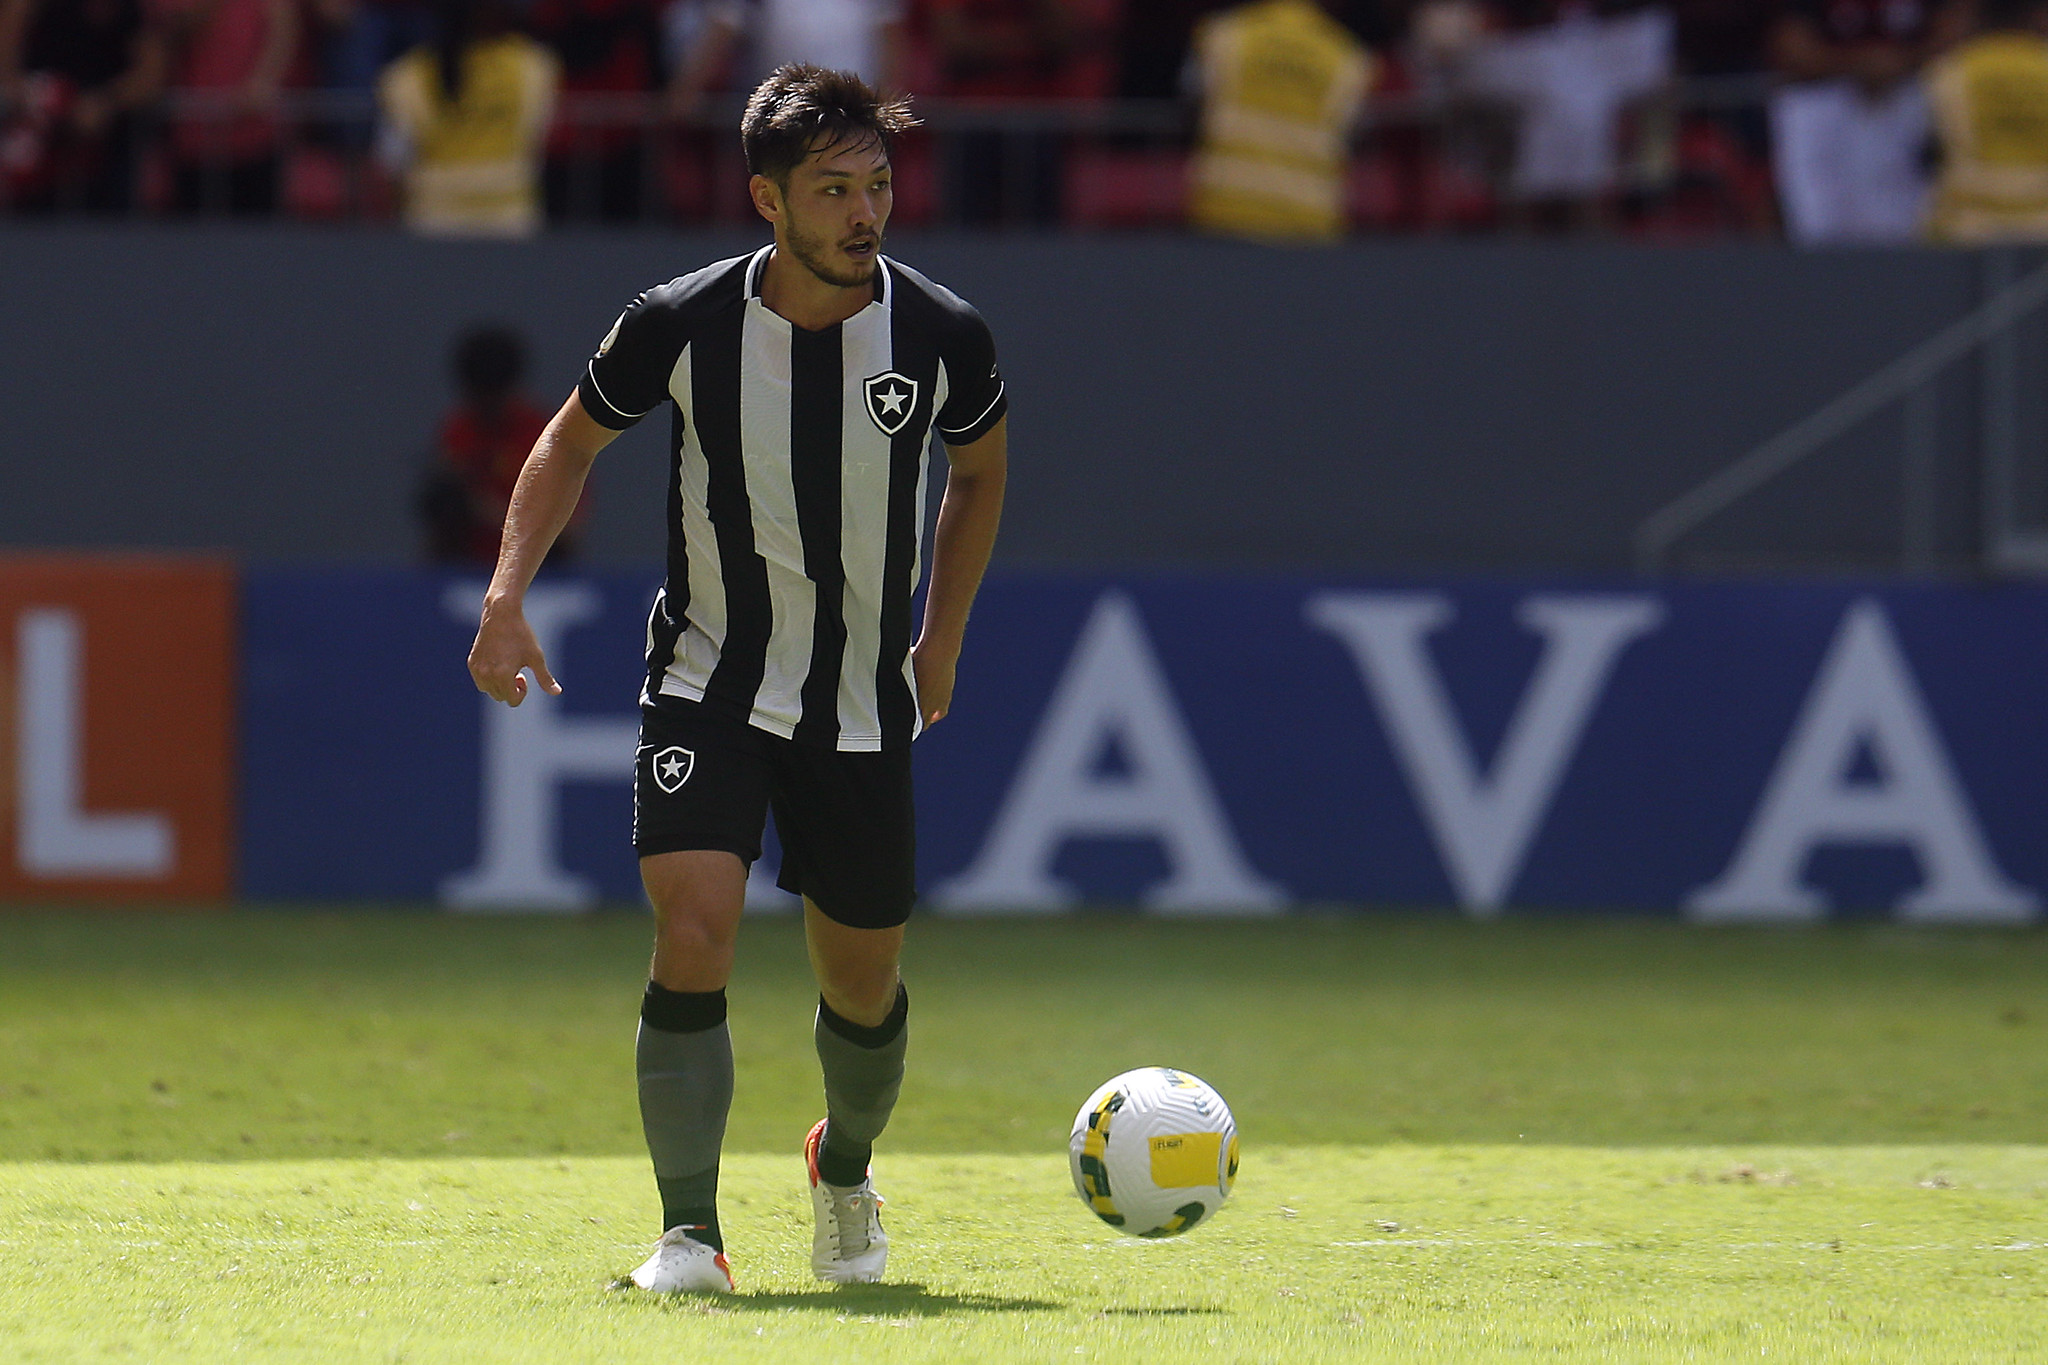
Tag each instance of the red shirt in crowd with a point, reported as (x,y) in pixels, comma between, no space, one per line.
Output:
(1018,49)
(606,47)
(485,453)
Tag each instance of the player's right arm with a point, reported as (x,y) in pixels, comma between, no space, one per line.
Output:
(627,379)
(547,492)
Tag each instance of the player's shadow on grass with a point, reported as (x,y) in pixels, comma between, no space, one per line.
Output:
(899,1300)
(905,1299)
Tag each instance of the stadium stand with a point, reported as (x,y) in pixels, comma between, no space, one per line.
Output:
(1613,117)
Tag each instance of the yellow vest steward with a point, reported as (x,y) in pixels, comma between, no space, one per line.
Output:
(1282,83)
(475,160)
(1990,99)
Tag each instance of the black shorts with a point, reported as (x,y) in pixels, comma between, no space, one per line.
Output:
(704,779)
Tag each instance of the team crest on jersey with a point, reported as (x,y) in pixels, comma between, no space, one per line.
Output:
(892,397)
(672,767)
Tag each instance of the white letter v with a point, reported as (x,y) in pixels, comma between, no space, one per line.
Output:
(1483,824)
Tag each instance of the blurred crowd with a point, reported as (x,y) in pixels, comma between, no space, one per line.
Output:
(1828,120)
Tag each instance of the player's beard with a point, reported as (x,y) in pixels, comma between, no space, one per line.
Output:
(810,252)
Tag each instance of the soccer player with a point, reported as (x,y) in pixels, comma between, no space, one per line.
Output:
(807,378)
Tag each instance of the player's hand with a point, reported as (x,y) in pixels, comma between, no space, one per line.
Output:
(504,647)
(933,668)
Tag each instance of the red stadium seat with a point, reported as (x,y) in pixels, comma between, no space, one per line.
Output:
(315,184)
(916,176)
(1108,188)
(1378,193)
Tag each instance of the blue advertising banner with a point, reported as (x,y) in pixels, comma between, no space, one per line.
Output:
(372,769)
(1194,745)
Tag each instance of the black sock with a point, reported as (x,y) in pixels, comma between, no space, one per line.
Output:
(702,1221)
(841,1161)
(862,1035)
(860,1087)
(684,1059)
(681,1011)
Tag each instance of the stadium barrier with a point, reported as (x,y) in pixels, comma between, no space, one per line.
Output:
(1488,407)
(1731,751)
(1692,165)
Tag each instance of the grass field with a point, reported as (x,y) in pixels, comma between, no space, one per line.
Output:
(283,1136)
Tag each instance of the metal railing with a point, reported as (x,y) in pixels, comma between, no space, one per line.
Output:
(1911,382)
(609,148)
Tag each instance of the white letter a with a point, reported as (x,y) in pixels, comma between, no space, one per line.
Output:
(1864,697)
(1112,690)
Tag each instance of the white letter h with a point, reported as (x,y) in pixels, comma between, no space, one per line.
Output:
(529,750)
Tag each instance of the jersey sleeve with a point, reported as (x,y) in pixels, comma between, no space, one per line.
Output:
(975,400)
(628,377)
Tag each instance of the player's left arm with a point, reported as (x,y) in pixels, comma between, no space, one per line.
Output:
(961,546)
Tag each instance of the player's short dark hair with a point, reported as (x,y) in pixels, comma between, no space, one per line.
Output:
(802,109)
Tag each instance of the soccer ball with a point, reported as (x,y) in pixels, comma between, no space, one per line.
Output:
(1153,1152)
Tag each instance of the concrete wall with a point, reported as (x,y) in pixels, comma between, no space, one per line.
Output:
(1176,402)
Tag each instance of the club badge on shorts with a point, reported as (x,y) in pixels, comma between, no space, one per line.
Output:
(892,397)
(672,767)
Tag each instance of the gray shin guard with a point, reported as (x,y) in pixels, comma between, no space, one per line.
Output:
(861,1083)
(685,1095)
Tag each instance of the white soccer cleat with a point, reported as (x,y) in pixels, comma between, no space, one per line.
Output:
(848,1246)
(683,1265)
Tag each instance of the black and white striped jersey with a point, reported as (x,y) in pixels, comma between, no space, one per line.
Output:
(796,490)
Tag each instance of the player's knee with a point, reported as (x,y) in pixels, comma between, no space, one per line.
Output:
(863,993)
(692,953)
(698,896)
(689,926)
(706,885)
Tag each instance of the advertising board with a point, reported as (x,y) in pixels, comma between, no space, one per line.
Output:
(117,692)
(1734,751)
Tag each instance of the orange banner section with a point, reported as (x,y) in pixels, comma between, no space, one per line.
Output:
(117,701)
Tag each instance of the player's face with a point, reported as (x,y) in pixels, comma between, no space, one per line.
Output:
(835,207)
